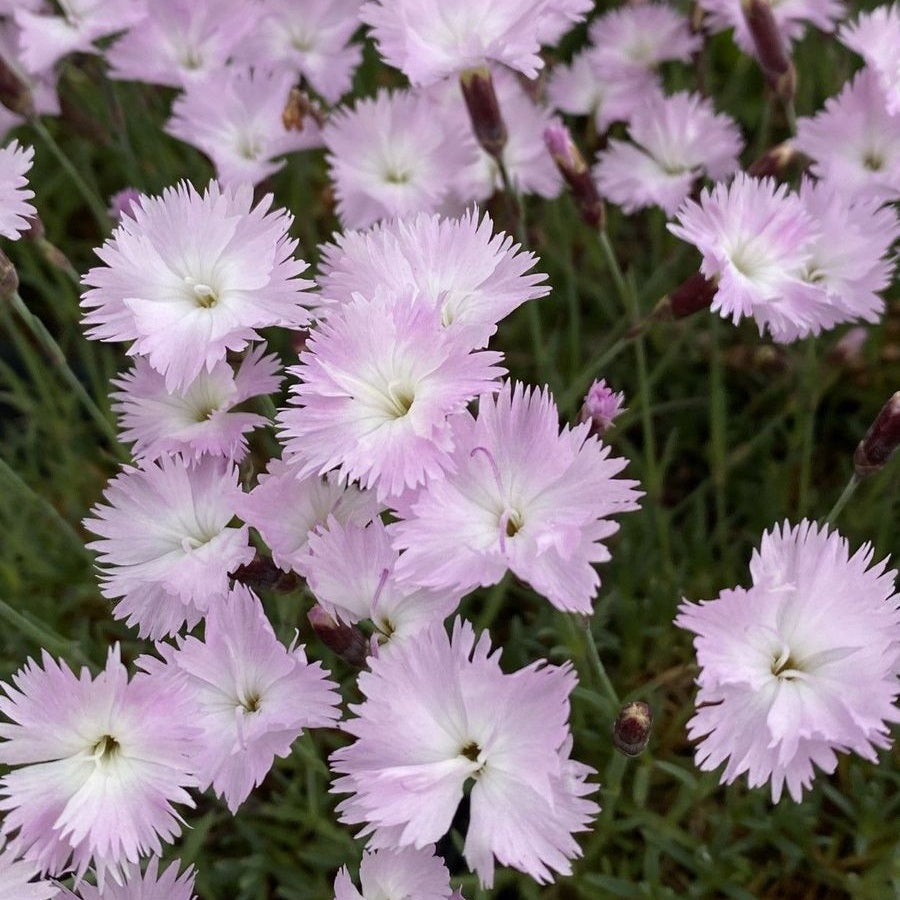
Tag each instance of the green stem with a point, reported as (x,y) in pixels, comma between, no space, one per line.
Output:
(718,427)
(95,204)
(58,359)
(790,113)
(41,634)
(846,494)
(806,418)
(493,603)
(615,270)
(599,669)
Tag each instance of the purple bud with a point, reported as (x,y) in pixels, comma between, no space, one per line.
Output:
(573,168)
(15,94)
(122,203)
(770,50)
(631,731)
(773,162)
(9,278)
(881,440)
(347,642)
(484,109)
(601,406)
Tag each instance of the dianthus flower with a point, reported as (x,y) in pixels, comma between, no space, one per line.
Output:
(558,16)
(41,85)
(101,761)
(165,547)
(350,570)
(147,886)
(189,277)
(791,17)
(45,39)
(601,406)
(311,39)
(802,664)
(875,36)
(583,88)
(15,161)
(378,382)
(475,278)
(388,874)
(854,142)
(178,42)
(16,879)
(519,495)
(675,140)
(391,155)
(251,697)
(755,238)
(438,712)
(234,117)
(431,39)
(529,167)
(635,39)
(199,419)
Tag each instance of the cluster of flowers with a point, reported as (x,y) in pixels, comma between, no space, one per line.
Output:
(391,498)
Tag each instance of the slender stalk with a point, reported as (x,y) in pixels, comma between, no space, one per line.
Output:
(615,270)
(89,195)
(806,420)
(718,428)
(49,509)
(599,669)
(846,494)
(42,634)
(57,358)
(790,113)
(493,603)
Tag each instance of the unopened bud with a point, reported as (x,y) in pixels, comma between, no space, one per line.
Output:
(848,351)
(15,94)
(298,109)
(347,642)
(773,59)
(773,162)
(692,295)
(9,278)
(484,109)
(601,406)
(631,731)
(261,572)
(574,169)
(881,440)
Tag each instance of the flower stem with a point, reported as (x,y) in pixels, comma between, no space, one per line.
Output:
(846,494)
(599,669)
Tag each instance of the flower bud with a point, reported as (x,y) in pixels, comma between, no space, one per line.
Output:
(484,109)
(773,162)
(881,440)
(261,572)
(601,406)
(298,109)
(574,169)
(9,278)
(347,642)
(773,59)
(15,94)
(692,295)
(631,731)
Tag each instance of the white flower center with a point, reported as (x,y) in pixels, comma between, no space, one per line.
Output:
(105,750)
(202,294)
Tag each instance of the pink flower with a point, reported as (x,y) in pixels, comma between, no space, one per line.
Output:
(802,664)
(476,277)
(601,406)
(312,39)
(635,39)
(45,39)
(391,155)
(179,42)
(15,161)
(439,712)
(199,419)
(386,874)
(854,142)
(189,277)
(122,203)
(251,696)
(101,763)
(16,879)
(146,886)
(165,547)
(379,381)
(875,36)
(520,495)
(585,88)
(791,17)
(284,508)
(756,238)
(234,117)
(429,39)
(350,570)
(558,17)
(676,140)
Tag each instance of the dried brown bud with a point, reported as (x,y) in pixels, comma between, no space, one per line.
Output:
(881,440)
(15,94)
(261,572)
(773,162)
(9,278)
(631,731)
(692,295)
(347,642)
(298,108)
(574,169)
(484,109)
(773,59)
